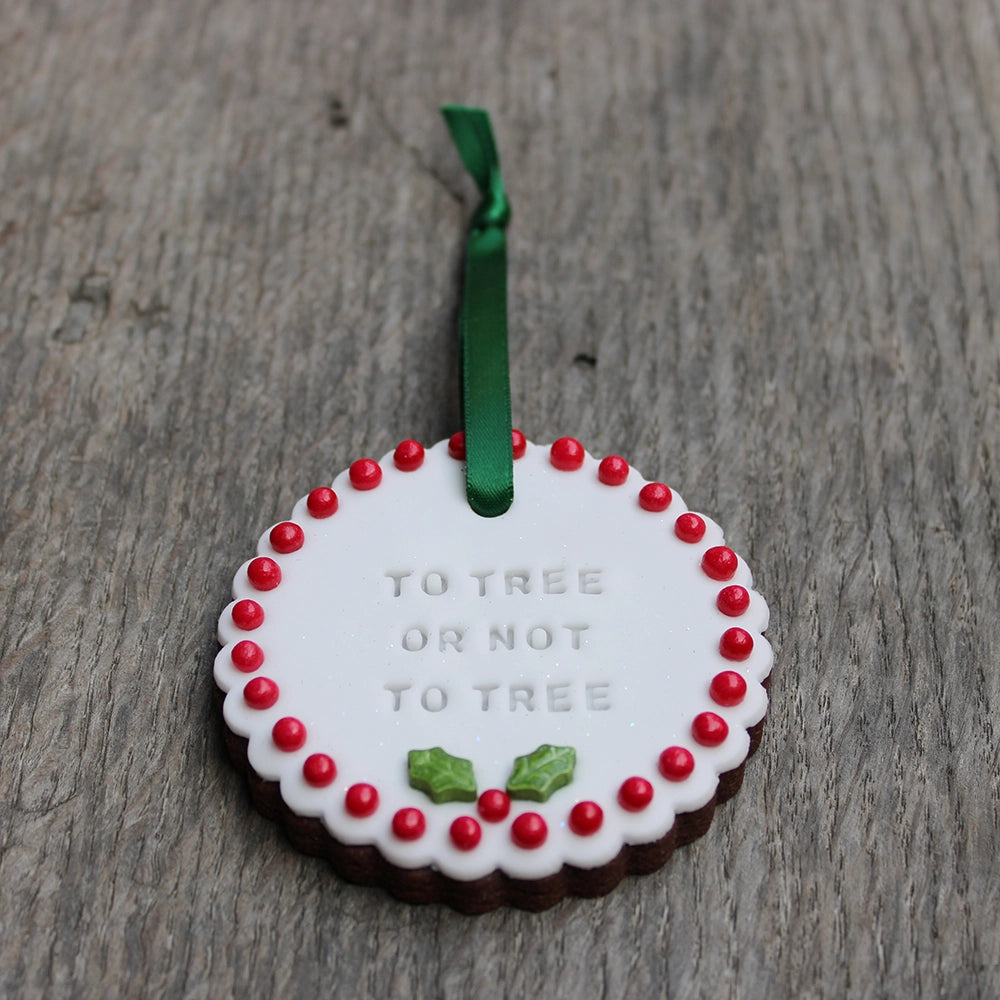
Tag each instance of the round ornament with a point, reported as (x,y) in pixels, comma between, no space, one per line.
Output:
(491,711)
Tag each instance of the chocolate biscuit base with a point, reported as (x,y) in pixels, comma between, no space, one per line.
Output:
(363,865)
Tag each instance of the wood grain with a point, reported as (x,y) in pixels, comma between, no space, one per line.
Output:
(755,249)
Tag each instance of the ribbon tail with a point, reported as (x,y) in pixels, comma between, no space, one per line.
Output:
(489,458)
(486,416)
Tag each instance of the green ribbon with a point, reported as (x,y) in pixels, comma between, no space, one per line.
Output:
(489,459)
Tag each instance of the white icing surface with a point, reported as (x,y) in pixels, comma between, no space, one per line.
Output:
(333,638)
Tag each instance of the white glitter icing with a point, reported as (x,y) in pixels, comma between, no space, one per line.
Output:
(333,638)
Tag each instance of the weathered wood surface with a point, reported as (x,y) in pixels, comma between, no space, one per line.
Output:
(230,239)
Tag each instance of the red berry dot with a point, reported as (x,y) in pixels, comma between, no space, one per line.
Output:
(567,454)
(585,818)
(409,824)
(365,474)
(319,770)
(728,688)
(519,443)
(736,644)
(264,573)
(408,456)
(613,470)
(676,763)
(719,562)
(655,497)
(689,528)
(733,600)
(635,794)
(260,693)
(286,537)
(456,446)
(465,833)
(493,805)
(529,831)
(361,800)
(289,734)
(247,656)
(322,502)
(709,729)
(247,615)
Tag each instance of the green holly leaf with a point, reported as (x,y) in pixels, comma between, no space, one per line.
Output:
(443,777)
(541,773)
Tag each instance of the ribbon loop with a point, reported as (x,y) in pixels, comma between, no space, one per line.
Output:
(489,459)
(494,210)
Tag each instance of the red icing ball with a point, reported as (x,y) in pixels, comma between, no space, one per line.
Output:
(655,497)
(709,729)
(365,474)
(319,770)
(456,446)
(733,600)
(585,818)
(260,693)
(408,456)
(676,763)
(465,833)
(264,573)
(529,831)
(613,470)
(248,615)
(286,537)
(736,644)
(635,794)
(322,502)
(247,656)
(567,454)
(493,805)
(361,800)
(409,824)
(289,734)
(728,688)
(689,528)
(719,562)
